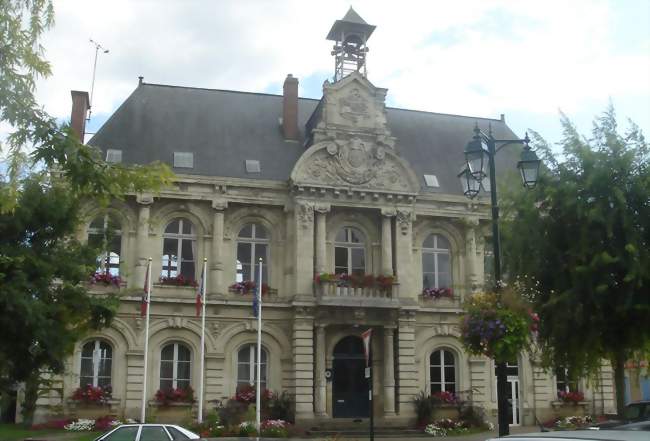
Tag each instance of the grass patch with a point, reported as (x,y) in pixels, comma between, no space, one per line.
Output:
(16,432)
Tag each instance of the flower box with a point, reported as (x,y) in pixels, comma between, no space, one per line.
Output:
(178,281)
(85,410)
(564,409)
(177,412)
(442,411)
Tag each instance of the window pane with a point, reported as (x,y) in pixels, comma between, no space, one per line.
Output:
(359,259)
(183,370)
(436,375)
(188,228)
(341,236)
(244,251)
(442,243)
(166,369)
(435,358)
(167,353)
(149,433)
(247,231)
(85,381)
(97,224)
(243,373)
(87,368)
(450,375)
(104,367)
(244,354)
(104,381)
(355,236)
(105,350)
(436,387)
(187,251)
(166,384)
(428,280)
(428,242)
(260,251)
(182,384)
(341,258)
(172,227)
(95,241)
(88,348)
(263,355)
(444,264)
(449,358)
(183,353)
(428,262)
(246,272)
(188,270)
(260,232)
(123,434)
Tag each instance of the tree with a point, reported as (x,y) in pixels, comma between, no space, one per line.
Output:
(582,240)
(43,306)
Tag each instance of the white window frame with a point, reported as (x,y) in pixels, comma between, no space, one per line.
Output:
(253,241)
(252,347)
(96,359)
(435,252)
(442,366)
(107,261)
(349,246)
(175,361)
(179,237)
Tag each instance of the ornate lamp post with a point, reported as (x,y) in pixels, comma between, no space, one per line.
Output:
(479,154)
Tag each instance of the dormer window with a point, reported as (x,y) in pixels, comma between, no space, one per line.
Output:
(183,160)
(113,156)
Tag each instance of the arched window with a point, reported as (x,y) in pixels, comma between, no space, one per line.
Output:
(246,366)
(175,366)
(349,252)
(104,234)
(252,243)
(179,250)
(442,368)
(96,360)
(436,262)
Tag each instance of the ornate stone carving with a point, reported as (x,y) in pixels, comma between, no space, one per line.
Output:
(176,322)
(403,220)
(446,329)
(353,106)
(215,329)
(359,314)
(305,213)
(144,198)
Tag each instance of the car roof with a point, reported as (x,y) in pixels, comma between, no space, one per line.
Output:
(591,435)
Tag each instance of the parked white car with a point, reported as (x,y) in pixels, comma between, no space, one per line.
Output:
(579,435)
(148,432)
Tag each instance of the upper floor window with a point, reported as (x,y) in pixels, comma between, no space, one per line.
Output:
(104,234)
(96,360)
(175,366)
(349,252)
(252,243)
(179,249)
(246,366)
(564,382)
(436,262)
(442,366)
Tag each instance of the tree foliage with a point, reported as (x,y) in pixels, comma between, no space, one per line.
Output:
(44,307)
(583,237)
(49,143)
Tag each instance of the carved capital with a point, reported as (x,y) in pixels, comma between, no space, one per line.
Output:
(305,214)
(388,212)
(219,204)
(144,198)
(404,219)
(322,208)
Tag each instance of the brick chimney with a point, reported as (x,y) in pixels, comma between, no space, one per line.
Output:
(80,106)
(290,108)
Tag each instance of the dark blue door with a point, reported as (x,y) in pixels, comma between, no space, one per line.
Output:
(349,385)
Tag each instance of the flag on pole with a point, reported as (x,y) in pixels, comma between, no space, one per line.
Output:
(145,297)
(367,335)
(200,296)
(256,299)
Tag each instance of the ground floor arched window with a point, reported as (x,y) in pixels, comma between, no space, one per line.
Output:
(442,369)
(247,369)
(175,366)
(96,361)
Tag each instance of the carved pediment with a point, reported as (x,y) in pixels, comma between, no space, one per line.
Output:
(354,162)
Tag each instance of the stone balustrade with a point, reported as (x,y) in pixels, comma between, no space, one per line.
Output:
(332,289)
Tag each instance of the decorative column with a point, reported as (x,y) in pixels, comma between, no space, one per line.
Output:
(321,237)
(303,262)
(387,242)
(389,372)
(321,382)
(406,368)
(303,358)
(470,253)
(144,201)
(403,251)
(216,265)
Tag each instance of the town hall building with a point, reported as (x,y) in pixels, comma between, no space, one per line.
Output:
(327,193)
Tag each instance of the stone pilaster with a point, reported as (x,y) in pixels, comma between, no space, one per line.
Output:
(303,358)
(404,251)
(406,368)
(216,264)
(303,261)
(471,258)
(321,382)
(389,372)
(321,237)
(142,238)
(387,242)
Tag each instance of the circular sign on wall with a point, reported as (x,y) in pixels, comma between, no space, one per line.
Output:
(328,374)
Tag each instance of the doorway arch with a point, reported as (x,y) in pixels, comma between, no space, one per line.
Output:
(349,385)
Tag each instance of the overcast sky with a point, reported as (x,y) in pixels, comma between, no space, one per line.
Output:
(527,59)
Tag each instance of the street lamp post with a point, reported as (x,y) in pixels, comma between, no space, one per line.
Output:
(479,153)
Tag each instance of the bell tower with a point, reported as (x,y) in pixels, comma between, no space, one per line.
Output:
(350,35)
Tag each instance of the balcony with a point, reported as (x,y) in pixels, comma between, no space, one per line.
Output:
(336,294)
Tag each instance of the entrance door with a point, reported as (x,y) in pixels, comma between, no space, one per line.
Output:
(349,385)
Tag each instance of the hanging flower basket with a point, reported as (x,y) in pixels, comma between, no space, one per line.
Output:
(178,281)
(248,287)
(105,279)
(166,397)
(437,293)
(90,394)
(499,326)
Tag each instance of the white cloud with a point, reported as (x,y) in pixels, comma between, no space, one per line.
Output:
(468,57)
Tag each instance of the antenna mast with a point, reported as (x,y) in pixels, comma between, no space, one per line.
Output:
(92,86)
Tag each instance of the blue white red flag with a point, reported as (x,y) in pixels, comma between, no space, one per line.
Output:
(200,296)
(256,300)
(145,297)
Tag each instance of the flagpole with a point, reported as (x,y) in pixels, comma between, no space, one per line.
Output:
(146,343)
(203,301)
(259,350)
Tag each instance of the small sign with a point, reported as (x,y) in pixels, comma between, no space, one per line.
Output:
(367,372)
(328,374)
(369,395)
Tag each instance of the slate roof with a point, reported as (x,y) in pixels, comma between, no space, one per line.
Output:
(225,128)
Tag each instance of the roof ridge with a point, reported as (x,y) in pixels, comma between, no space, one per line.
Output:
(223,90)
(443,114)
